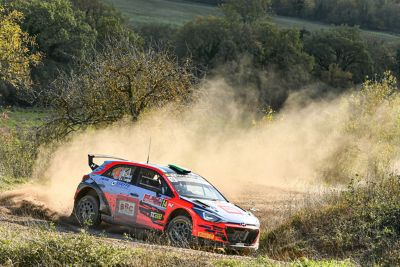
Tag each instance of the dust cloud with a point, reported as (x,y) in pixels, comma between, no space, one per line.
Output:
(214,138)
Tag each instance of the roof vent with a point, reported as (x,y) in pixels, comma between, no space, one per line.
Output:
(179,169)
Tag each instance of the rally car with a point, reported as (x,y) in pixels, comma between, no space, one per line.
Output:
(171,199)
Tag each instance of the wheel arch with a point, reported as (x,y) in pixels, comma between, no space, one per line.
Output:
(178,212)
(86,189)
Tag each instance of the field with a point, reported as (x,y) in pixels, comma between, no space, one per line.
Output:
(179,12)
(162,11)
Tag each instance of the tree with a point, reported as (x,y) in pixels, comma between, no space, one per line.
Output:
(121,81)
(340,48)
(201,40)
(16,56)
(61,32)
(105,20)
(246,11)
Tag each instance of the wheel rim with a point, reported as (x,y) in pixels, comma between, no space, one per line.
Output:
(180,233)
(86,210)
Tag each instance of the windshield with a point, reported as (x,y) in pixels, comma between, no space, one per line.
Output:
(194,186)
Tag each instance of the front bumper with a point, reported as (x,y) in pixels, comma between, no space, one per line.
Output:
(229,235)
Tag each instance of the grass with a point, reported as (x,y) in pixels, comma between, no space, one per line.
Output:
(162,11)
(289,22)
(17,146)
(16,118)
(8,183)
(179,12)
(361,223)
(43,245)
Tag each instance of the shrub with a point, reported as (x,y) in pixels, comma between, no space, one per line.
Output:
(18,153)
(361,223)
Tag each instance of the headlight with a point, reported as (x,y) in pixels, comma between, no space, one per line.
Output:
(208,216)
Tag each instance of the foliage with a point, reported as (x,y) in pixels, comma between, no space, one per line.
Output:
(340,54)
(16,56)
(157,35)
(105,20)
(370,131)
(18,147)
(202,39)
(121,81)
(371,14)
(247,55)
(67,31)
(246,11)
(61,31)
(360,223)
(18,154)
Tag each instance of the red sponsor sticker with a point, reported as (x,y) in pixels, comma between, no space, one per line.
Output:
(156,201)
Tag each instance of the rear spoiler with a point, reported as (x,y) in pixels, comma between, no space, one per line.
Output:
(93,165)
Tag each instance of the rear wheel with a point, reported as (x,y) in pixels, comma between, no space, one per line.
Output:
(179,231)
(87,211)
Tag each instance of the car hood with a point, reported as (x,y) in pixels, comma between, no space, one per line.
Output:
(227,211)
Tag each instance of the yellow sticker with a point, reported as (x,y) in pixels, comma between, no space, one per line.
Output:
(206,235)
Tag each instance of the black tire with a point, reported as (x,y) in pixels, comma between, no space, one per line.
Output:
(87,211)
(179,232)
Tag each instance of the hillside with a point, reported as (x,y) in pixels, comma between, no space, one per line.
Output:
(179,12)
(162,11)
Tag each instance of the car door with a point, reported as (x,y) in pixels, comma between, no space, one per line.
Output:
(119,190)
(154,195)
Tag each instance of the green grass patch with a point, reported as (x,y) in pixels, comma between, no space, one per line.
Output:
(44,246)
(162,11)
(179,12)
(289,22)
(8,183)
(16,118)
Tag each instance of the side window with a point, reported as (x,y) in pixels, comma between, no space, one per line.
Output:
(122,173)
(153,181)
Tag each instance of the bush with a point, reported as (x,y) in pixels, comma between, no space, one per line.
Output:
(361,223)
(18,154)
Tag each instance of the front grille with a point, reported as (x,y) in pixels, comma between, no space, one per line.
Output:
(241,235)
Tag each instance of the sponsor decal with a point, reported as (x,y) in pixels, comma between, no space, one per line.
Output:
(123,174)
(230,209)
(156,201)
(126,207)
(155,215)
(170,205)
(205,235)
(121,184)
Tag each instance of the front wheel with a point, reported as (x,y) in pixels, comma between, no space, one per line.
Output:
(179,231)
(87,211)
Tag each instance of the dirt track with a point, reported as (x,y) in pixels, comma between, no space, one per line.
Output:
(271,205)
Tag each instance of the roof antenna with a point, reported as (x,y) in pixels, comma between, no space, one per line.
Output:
(148,153)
